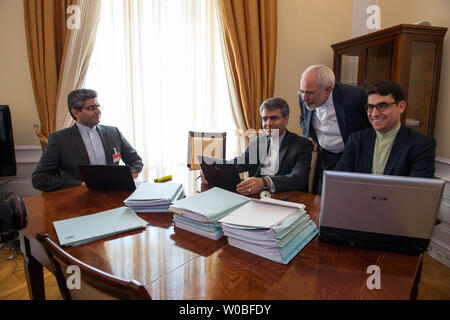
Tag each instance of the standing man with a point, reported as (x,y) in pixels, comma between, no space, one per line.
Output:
(86,142)
(277,161)
(330,112)
(388,148)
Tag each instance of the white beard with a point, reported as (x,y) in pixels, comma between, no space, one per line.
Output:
(310,108)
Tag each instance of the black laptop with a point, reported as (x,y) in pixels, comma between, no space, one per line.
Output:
(220,173)
(107,177)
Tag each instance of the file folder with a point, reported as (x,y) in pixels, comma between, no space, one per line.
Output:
(92,227)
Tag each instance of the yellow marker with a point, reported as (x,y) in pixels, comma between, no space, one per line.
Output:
(162,179)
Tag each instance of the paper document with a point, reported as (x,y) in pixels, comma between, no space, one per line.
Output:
(258,214)
(210,205)
(80,230)
(155,191)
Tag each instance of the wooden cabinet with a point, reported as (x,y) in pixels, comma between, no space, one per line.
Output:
(408,54)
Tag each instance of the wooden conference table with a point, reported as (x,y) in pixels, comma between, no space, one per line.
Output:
(177,264)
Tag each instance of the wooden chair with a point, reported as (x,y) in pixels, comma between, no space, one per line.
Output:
(94,284)
(210,144)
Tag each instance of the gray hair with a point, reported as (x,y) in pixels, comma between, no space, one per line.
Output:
(273,104)
(325,76)
(78,97)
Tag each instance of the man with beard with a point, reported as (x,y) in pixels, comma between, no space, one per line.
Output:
(330,112)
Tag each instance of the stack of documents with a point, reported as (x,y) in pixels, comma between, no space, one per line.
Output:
(80,230)
(201,212)
(274,229)
(154,197)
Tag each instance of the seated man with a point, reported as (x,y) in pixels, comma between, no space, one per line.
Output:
(388,148)
(85,142)
(278,161)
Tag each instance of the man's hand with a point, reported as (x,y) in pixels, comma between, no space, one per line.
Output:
(135,175)
(204,181)
(315,144)
(250,186)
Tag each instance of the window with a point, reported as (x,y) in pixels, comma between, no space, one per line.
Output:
(159,72)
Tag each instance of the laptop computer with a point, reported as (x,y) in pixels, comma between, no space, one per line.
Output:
(107,177)
(220,173)
(389,213)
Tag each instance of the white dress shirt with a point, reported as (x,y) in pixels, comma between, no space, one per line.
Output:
(93,143)
(326,126)
(271,163)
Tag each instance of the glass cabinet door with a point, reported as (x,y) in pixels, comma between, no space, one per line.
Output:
(420,89)
(348,73)
(378,64)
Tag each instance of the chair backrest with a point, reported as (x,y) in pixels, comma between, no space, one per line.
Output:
(313,182)
(94,283)
(210,144)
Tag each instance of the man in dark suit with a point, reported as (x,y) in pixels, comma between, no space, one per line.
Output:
(330,112)
(86,142)
(388,148)
(277,161)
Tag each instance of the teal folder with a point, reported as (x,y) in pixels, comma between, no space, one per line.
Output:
(92,227)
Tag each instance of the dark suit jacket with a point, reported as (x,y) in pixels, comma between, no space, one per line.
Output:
(349,104)
(412,154)
(58,166)
(294,162)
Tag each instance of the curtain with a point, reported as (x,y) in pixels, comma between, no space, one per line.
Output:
(46,34)
(250,37)
(76,59)
(159,72)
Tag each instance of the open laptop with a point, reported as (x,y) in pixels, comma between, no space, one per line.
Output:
(220,173)
(381,212)
(107,177)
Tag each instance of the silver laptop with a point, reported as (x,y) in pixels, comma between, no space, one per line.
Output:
(390,213)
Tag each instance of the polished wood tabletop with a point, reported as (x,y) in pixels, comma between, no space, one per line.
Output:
(176,264)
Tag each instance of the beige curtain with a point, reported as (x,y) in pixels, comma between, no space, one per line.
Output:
(76,59)
(46,34)
(250,37)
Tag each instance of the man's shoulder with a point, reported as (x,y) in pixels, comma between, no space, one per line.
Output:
(62,133)
(416,136)
(106,128)
(296,138)
(346,88)
(362,134)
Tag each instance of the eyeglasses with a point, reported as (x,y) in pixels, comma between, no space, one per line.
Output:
(272,118)
(381,107)
(306,93)
(91,107)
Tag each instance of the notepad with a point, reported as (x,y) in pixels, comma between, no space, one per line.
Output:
(92,227)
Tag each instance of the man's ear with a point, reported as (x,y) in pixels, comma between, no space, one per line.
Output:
(74,112)
(402,106)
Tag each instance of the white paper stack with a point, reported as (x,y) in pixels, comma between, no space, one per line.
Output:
(276,230)
(154,197)
(199,213)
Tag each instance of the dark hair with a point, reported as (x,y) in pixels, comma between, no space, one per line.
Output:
(78,97)
(273,104)
(385,88)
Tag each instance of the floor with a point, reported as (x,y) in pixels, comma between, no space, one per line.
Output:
(434,284)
